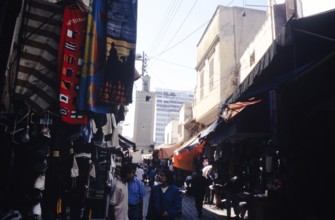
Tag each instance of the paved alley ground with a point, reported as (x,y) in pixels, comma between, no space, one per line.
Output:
(188,209)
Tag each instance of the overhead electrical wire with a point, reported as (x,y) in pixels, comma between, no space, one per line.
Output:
(170,15)
(182,24)
(176,64)
(180,41)
(169,48)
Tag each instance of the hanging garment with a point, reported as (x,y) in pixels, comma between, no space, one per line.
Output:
(108,70)
(75,168)
(94,59)
(120,49)
(111,173)
(37,83)
(113,140)
(86,131)
(70,61)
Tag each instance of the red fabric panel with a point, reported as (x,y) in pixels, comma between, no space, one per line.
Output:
(70,61)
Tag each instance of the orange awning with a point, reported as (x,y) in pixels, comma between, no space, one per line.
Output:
(165,151)
(185,160)
(188,145)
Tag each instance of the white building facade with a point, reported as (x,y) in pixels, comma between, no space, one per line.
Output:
(185,117)
(219,50)
(171,132)
(277,17)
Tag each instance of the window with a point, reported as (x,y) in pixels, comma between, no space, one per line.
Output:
(211,74)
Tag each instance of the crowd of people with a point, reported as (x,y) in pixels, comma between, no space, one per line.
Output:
(126,195)
(128,191)
(231,195)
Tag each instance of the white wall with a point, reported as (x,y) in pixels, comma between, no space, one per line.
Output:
(144,119)
(224,41)
(185,114)
(171,132)
(259,46)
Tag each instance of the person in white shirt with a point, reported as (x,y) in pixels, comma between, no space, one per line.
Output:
(118,209)
(139,173)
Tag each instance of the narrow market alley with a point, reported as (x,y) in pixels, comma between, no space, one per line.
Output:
(188,209)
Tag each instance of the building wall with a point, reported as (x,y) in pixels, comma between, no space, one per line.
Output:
(185,114)
(168,103)
(171,132)
(144,119)
(218,52)
(262,41)
(255,50)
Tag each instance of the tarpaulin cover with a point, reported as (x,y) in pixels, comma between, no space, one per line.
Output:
(188,145)
(186,159)
(165,151)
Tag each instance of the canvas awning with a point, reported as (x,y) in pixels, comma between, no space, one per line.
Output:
(188,145)
(185,156)
(252,122)
(211,128)
(165,151)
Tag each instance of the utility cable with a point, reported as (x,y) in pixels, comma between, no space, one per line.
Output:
(166,23)
(180,41)
(167,49)
(182,24)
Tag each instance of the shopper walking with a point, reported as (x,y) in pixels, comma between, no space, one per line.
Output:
(136,193)
(199,186)
(139,173)
(118,209)
(164,201)
(232,188)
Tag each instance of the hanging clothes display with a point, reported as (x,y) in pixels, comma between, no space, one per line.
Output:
(70,61)
(94,59)
(37,81)
(109,60)
(120,50)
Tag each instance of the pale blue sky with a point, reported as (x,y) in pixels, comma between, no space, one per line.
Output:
(168,32)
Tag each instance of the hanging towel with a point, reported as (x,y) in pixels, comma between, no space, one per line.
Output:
(119,70)
(94,59)
(70,61)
